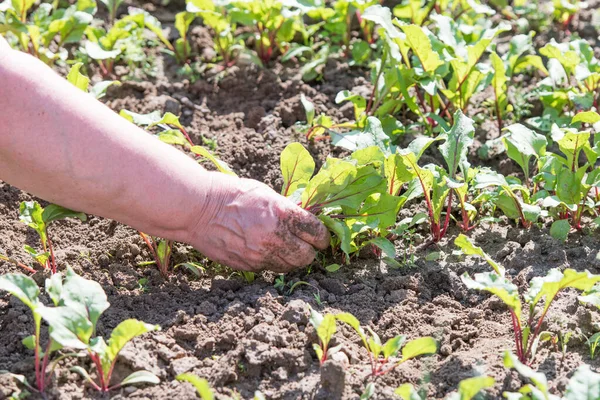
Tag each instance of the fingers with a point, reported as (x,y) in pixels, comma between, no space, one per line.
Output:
(306,226)
(298,253)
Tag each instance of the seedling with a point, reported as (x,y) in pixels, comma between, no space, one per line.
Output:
(201,385)
(578,387)
(593,343)
(325,327)
(382,355)
(527,334)
(39,219)
(78,303)
(468,389)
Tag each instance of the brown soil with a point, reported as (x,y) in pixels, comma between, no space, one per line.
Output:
(246,337)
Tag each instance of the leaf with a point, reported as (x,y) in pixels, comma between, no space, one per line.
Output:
(588,117)
(497,285)
(420,44)
(560,229)
(341,230)
(392,346)
(538,378)
(383,17)
(522,143)
(408,392)
(141,377)
(353,322)
(419,347)
(499,84)
(84,374)
(548,287)
(22,287)
(84,296)
(168,119)
(221,165)
(124,332)
(68,327)
(583,385)
(54,287)
(470,387)
(55,212)
(332,267)
(100,88)
(309,109)
(200,384)
(96,52)
(183,20)
(195,268)
(385,245)
(30,213)
(297,167)
(457,143)
(141,119)
(371,135)
(77,78)
(465,244)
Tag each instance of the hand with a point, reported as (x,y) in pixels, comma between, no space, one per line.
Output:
(248,226)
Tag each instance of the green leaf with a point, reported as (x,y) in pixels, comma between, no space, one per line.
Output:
(538,378)
(30,213)
(497,285)
(398,171)
(383,17)
(22,287)
(297,167)
(392,346)
(408,392)
(169,119)
(419,347)
(583,385)
(522,143)
(548,287)
(54,287)
(183,20)
(309,109)
(457,143)
(420,44)
(470,387)
(353,322)
(465,244)
(77,78)
(84,296)
(387,247)
(84,374)
(221,165)
(560,229)
(68,327)
(99,89)
(55,212)
(141,377)
(124,332)
(200,384)
(332,267)
(499,84)
(588,117)
(141,119)
(96,52)
(341,231)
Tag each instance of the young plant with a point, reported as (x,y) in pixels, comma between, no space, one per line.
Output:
(582,385)
(527,333)
(112,6)
(384,356)
(201,385)
(39,218)
(48,30)
(78,304)
(325,327)
(593,343)
(468,389)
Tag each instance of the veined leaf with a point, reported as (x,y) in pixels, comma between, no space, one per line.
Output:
(421,47)
(469,248)
(457,143)
(499,286)
(297,167)
(522,143)
(124,332)
(54,212)
(84,296)
(22,287)
(419,347)
(77,78)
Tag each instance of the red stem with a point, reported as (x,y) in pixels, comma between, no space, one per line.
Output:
(53,265)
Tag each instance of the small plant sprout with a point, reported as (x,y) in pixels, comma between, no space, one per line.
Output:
(593,343)
(201,385)
(325,327)
(39,218)
(383,356)
(528,333)
(468,389)
(161,250)
(583,385)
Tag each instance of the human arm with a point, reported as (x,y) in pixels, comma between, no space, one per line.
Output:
(62,145)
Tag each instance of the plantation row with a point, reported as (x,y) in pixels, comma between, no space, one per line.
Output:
(427,62)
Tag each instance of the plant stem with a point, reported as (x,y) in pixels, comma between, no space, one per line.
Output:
(53,265)
(379,73)
(38,379)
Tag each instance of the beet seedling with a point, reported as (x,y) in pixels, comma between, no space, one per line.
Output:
(468,389)
(382,355)
(39,218)
(325,327)
(527,334)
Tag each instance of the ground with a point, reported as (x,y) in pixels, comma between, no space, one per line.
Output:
(244,336)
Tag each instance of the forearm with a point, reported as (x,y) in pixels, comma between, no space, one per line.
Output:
(62,145)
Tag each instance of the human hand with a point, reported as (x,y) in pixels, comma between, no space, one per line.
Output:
(248,226)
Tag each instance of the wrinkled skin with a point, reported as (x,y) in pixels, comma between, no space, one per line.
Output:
(253,228)
(60,144)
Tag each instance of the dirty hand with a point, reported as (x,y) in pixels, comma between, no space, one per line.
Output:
(248,226)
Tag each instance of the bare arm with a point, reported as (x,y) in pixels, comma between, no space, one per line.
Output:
(62,145)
